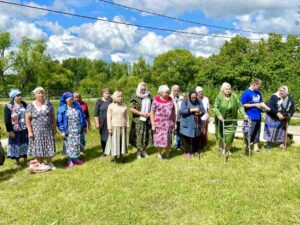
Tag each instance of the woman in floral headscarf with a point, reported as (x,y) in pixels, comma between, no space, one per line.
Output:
(140,132)
(14,115)
(71,122)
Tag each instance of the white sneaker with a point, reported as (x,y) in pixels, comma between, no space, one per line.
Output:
(52,166)
(145,154)
(159,157)
(138,155)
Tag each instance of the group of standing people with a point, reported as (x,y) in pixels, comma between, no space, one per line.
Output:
(31,128)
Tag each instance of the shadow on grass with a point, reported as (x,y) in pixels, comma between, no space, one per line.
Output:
(89,154)
(9,173)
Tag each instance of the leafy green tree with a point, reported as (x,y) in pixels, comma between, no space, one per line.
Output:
(142,70)
(175,67)
(30,62)
(80,67)
(6,59)
(117,70)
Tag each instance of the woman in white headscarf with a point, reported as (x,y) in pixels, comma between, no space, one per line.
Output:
(282,109)
(163,120)
(226,107)
(140,131)
(41,125)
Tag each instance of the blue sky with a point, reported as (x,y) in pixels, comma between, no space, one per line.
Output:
(68,36)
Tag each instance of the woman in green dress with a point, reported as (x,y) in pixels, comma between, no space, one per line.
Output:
(140,132)
(226,107)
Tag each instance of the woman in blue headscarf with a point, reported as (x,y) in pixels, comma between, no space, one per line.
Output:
(14,116)
(71,121)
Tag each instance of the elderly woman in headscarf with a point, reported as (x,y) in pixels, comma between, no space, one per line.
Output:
(140,131)
(118,125)
(40,122)
(226,107)
(177,100)
(203,138)
(190,125)
(71,123)
(282,108)
(163,120)
(14,117)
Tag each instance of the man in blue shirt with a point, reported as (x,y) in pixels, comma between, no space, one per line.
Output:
(253,104)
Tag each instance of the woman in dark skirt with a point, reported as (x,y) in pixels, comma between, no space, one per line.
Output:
(140,132)
(282,109)
(14,115)
(190,125)
(100,116)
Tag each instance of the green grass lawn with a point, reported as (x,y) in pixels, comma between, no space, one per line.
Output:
(264,190)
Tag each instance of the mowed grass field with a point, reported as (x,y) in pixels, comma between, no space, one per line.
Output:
(263,190)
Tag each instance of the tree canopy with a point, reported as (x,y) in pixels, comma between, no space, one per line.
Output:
(275,61)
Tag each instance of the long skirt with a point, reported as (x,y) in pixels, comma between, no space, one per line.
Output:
(72,145)
(116,144)
(274,130)
(140,134)
(18,146)
(82,140)
(163,137)
(43,143)
(229,131)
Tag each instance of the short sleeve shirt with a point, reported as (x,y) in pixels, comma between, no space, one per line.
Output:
(252,97)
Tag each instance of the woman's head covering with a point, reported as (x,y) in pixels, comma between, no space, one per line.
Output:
(38,89)
(13,93)
(138,90)
(198,89)
(163,88)
(224,85)
(190,94)
(65,96)
(285,88)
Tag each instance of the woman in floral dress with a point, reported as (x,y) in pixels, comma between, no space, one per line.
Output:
(14,115)
(163,120)
(71,123)
(40,122)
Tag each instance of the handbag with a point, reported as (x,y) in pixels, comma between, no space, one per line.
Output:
(2,155)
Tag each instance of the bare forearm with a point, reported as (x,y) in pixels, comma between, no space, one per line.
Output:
(97,120)
(136,112)
(254,105)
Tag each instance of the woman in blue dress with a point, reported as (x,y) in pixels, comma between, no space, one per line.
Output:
(71,122)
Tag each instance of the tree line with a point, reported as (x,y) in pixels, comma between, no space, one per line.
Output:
(275,61)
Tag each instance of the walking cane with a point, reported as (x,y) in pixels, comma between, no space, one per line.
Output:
(286,132)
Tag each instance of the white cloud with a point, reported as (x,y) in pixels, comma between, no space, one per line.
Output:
(22,12)
(284,23)
(54,28)
(255,15)
(20,29)
(65,46)
(212,8)
(105,34)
